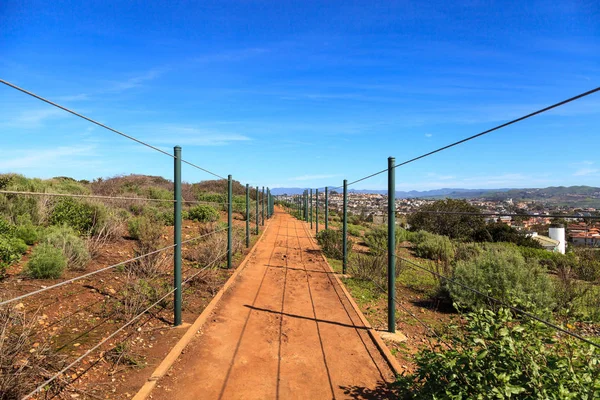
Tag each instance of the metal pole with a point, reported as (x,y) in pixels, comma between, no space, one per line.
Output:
(317,210)
(311,209)
(229,219)
(263,206)
(178,297)
(268,203)
(345,229)
(326,208)
(257,214)
(391,245)
(247,215)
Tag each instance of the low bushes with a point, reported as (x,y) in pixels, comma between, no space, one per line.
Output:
(502,273)
(84,217)
(11,250)
(377,239)
(46,262)
(331,242)
(149,236)
(496,356)
(72,246)
(203,213)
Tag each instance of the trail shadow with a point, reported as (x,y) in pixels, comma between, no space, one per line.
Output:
(383,391)
(435,304)
(306,318)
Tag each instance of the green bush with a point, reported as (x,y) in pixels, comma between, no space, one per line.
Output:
(467,251)
(46,262)
(377,239)
(502,273)
(6,228)
(26,231)
(354,230)
(133,226)
(497,357)
(72,246)
(436,247)
(11,250)
(203,213)
(82,216)
(331,243)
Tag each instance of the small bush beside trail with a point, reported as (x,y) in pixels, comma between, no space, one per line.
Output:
(203,213)
(46,262)
(11,250)
(502,273)
(84,217)
(331,243)
(72,246)
(496,356)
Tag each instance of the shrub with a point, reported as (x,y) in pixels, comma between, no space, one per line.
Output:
(46,262)
(369,267)
(377,239)
(72,246)
(502,273)
(26,231)
(203,213)
(354,230)
(6,228)
(467,251)
(496,357)
(331,243)
(11,250)
(138,295)
(84,217)
(437,248)
(149,236)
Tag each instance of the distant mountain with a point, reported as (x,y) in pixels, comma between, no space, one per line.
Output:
(447,192)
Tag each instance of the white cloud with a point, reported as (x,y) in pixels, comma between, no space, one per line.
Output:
(42,158)
(585,172)
(33,118)
(138,80)
(428,135)
(190,135)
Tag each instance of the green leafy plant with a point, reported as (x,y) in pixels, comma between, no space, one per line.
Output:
(82,216)
(502,273)
(72,246)
(497,356)
(203,213)
(11,250)
(26,230)
(46,262)
(331,242)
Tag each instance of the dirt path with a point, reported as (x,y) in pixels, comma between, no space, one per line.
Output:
(285,330)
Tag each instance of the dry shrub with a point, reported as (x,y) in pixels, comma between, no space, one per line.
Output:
(369,267)
(24,362)
(137,295)
(210,249)
(209,277)
(150,240)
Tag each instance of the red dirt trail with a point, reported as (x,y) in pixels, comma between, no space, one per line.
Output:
(285,330)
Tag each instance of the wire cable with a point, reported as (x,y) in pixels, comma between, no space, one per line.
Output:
(514,121)
(205,235)
(210,264)
(27,92)
(62,371)
(515,309)
(83,276)
(86,196)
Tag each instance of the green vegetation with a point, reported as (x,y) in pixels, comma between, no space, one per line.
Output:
(82,216)
(73,248)
(331,243)
(46,262)
(11,250)
(493,356)
(203,213)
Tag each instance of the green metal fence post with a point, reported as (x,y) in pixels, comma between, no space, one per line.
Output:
(247,215)
(345,229)
(311,209)
(257,214)
(317,211)
(229,219)
(263,206)
(391,245)
(268,204)
(326,208)
(178,297)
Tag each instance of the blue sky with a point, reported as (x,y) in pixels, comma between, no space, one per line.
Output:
(304,93)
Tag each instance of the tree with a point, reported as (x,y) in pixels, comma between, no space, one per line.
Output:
(456,226)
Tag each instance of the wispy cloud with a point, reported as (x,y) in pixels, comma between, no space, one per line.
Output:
(33,118)
(312,177)
(428,135)
(190,135)
(41,158)
(585,172)
(137,80)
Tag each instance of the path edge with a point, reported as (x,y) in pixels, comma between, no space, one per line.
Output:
(176,351)
(379,343)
